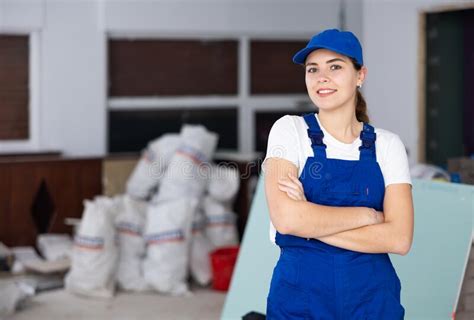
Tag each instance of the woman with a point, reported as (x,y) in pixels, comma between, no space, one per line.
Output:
(352,203)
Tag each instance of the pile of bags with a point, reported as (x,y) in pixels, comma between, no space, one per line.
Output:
(177,209)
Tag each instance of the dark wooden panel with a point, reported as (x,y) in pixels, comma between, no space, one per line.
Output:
(132,130)
(5,202)
(30,155)
(272,70)
(14,94)
(172,67)
(26,179)
(30,187)
(82,181)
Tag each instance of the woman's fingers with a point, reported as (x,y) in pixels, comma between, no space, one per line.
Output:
(289,184)
(296,180)
(295,184)
(292,182)
(293,187)
(292,193)
(292,196)
(287,189)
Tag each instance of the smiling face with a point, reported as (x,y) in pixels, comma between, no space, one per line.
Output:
(331,79)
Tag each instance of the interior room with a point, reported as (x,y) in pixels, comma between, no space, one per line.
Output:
(134,133)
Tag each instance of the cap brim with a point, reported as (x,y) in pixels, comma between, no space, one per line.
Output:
(300,56)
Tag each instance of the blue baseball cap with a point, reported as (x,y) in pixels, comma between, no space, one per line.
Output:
(342,42)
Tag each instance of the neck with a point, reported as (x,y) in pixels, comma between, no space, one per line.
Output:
(341,123)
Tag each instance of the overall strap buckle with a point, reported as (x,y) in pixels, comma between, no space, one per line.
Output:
(316,138)
(315,133)
(368,137)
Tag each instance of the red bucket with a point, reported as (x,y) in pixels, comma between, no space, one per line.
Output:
(223,261)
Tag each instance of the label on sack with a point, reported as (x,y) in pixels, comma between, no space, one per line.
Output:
(198,226)
(129,228)
(192,153)
(221,220)
(91,243)
(167,236)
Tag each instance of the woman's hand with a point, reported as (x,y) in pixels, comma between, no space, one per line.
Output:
(377,216)
(293,187)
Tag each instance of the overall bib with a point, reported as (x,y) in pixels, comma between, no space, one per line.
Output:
(314,280)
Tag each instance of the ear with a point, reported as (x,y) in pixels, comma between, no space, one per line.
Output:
(362,74)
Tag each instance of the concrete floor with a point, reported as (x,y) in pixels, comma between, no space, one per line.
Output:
(203,304)
(61,305)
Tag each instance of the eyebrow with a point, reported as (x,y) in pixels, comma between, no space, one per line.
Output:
(329,61)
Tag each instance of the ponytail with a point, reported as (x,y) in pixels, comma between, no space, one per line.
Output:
(361,108)
(361,105)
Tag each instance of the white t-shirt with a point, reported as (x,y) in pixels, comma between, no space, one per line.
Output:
(289,140)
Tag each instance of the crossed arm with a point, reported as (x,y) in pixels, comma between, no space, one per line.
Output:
(353,228)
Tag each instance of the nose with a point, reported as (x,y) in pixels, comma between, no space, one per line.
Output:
(322,78)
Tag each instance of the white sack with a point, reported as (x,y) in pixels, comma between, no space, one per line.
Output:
(152,165)
(189,169)
(95,253)
(221,226)
(54,247)
(224,183)
(168,233)
(201,246)
(12,296)
(130,223)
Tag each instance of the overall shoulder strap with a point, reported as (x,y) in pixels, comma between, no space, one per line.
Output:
(368,137)
(315,134)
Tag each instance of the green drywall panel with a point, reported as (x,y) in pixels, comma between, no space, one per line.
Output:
(431,273)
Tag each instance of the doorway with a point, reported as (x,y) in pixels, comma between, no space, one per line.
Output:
(447,128)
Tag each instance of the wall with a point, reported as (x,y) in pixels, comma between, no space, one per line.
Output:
(68,55)
(68,60)
(73,78)
(390,32)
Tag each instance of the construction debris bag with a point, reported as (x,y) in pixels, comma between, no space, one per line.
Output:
(95,253)
(168,235)
(150,168)
(13,294)
(221,228)
(189,169)
(224,183)
(201,247)
(54,247)
(129,224)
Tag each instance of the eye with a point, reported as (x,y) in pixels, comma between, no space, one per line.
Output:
(311,70)
(335,67)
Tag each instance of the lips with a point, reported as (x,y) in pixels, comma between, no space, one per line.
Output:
(324,92)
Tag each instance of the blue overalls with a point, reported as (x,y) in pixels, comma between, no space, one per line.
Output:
(315,280)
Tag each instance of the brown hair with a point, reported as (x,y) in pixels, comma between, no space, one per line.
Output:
(361,108)
(361,105)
